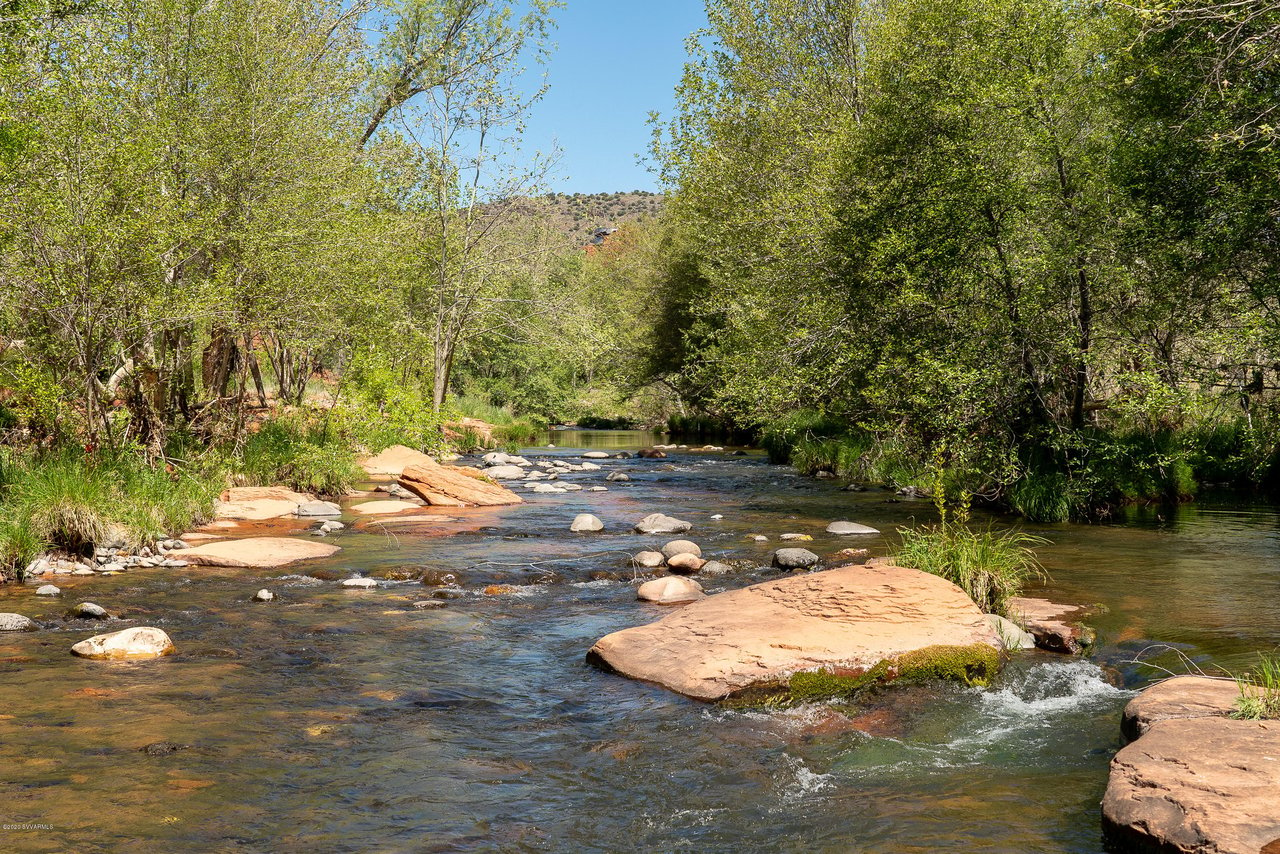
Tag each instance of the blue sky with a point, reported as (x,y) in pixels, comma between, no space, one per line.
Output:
(616,60)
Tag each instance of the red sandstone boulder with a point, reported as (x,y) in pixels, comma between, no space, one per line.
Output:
(455,486)
(1180,697)
(844,622)
(1057,628)
(1207,785)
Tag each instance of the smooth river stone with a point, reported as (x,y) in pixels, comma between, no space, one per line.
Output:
(671,590)
(847,620)
(136,643)
(16,623)
(658,523)
(262,552)
(586,523)
(847,528)
(794,559)
(681,547)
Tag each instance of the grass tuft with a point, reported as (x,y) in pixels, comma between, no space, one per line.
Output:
(1259,691)
(992,567)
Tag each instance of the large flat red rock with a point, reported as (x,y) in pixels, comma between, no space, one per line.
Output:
(455,486)
(1180,697)
(846,621)
(1205,785)
(261,552)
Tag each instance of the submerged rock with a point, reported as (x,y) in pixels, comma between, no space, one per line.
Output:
(140,642)
(617,477)
(16,623)
(586,523)
(263,552)
(382,508)
(671,590)
(319,508)
(850,528)
(657,523)
(822,634)
(794,559)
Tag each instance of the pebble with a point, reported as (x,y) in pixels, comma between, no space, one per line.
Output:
(265,595)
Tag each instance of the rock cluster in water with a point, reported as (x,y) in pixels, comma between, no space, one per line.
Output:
(1194,780)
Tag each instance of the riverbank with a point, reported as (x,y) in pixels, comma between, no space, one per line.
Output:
(483,721)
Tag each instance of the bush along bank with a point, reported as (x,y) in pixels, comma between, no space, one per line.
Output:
(1086,475)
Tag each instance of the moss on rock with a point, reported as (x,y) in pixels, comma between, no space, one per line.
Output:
(975,664)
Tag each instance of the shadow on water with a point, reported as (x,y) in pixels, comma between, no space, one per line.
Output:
(341,720)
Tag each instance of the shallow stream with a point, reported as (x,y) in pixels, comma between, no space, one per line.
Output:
(340,720)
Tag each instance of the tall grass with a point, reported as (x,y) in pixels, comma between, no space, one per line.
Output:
(1259,691)
(990,566)
(72,501)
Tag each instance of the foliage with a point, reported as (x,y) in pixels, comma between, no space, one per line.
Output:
(1259,691)
(74,501)
(302,456)
(990,566)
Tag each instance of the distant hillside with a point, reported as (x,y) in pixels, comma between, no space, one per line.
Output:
(578,214)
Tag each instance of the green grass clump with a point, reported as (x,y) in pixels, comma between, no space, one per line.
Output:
(1042,497)
(1259,691)
(73,501)
(992,567)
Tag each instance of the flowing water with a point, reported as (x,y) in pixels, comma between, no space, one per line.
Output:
(340,720)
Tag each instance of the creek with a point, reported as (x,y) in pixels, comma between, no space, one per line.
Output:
(343,720)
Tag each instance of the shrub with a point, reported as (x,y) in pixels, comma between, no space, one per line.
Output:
(990,566)
(303,457)
(1042,496)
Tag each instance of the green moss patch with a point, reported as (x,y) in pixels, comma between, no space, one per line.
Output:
(975,664)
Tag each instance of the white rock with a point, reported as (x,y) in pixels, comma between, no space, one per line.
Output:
(16,623)
(718,516)
(264,595)
(48,590)
(135,643)
(597,489)
(586,523)
(360,583)
(89,611)
(658,523)
(648,559)
(505,473)
(589,467)
(848,528)
(1012,636)
(595,455)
